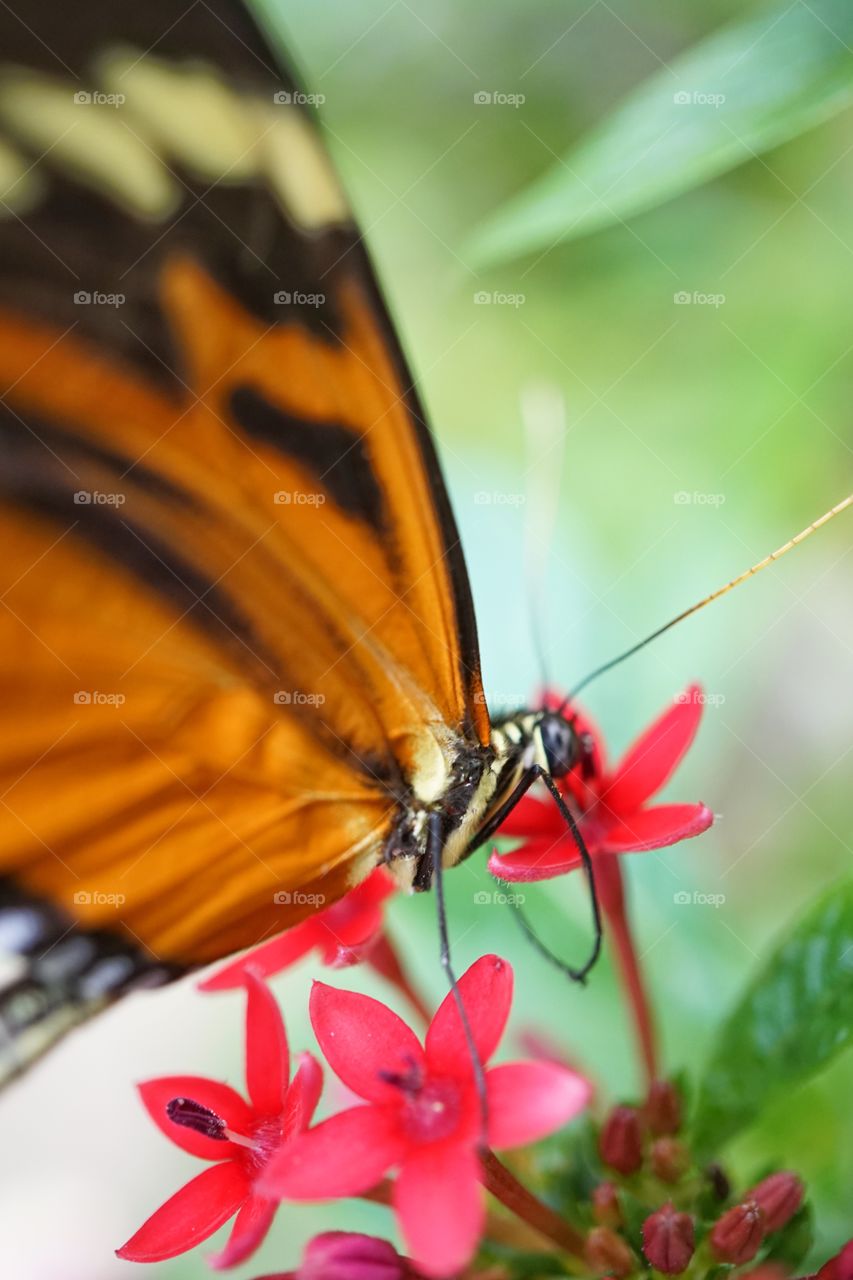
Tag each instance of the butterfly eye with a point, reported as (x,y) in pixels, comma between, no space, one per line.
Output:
(559,745)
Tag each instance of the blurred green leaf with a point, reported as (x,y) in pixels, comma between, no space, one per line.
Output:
(747,88)
(796,1016)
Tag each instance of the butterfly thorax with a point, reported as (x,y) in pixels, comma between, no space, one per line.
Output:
(480,783)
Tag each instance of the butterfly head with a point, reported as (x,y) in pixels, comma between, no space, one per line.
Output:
(560,747)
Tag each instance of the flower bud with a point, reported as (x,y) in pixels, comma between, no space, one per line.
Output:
(669,1159)
(737,1236)
(668,1240)
(780,1196)
(662,1111)
(337,1254)
(605,1205)
(621,1141)
(608,1254)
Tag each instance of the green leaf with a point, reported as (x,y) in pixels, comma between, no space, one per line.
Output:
(792,1244)
(793,1020)
(742,90)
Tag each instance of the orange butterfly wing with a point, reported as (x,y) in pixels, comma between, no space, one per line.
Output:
(235,620)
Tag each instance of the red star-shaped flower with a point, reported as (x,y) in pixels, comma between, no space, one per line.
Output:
(612,805)
(212,1121)
(344,933)
(422,1114)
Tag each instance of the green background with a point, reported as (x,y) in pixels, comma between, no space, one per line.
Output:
(744,407)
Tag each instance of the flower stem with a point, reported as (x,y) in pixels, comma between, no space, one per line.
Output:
(612,894)
(506,1188)
(384,959)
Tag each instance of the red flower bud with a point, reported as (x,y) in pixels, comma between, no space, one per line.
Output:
(605,1205)
(662,1111)
(669,1159)
(739,1233)
(608,1254)
(780,1196)
(668,1240)
(621,1141)
(345,1253)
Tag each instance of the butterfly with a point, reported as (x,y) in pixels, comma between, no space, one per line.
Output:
(238,655)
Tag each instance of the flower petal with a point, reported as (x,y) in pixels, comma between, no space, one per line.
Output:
(362,1041)
(190,1216)
(532,816)
(439,1201)
(541,859)
(660,825)
(303,1095)
(267,1054)
(343,1156)
(269,958)
(252,1223)
(219,1098)
(528,1100)
(486,991)
(656,754)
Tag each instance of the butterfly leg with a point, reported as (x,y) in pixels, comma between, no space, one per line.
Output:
(525,782)
(435,847)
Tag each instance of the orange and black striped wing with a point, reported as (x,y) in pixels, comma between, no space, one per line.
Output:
(235,622)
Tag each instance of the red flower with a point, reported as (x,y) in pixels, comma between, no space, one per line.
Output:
(423,1115)
(344,934)
(211,1120)
(612,805)
(337,1254)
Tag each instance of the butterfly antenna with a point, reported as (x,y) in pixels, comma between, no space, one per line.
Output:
(435,845)
(715,595)
(543,417)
